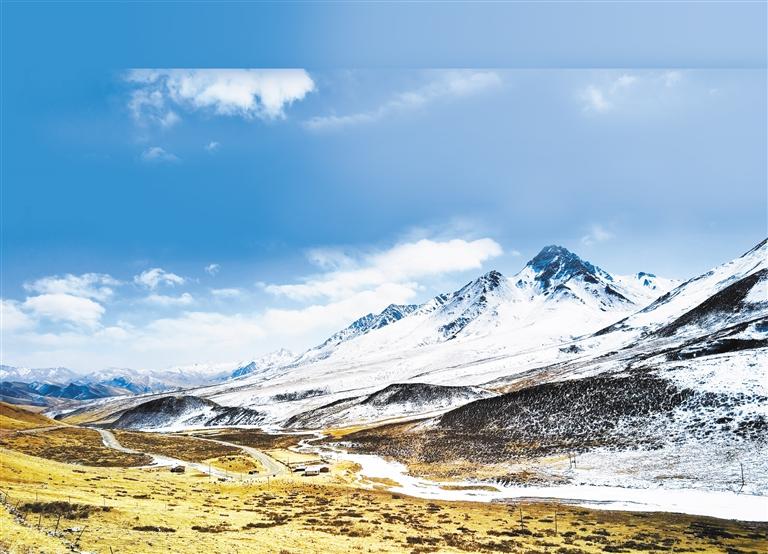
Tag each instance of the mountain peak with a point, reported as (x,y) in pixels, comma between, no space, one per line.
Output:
(556,263)
(490,281)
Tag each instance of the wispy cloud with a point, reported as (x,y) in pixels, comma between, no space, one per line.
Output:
(444,84)
(247,93)
(76,330)
(597,233)
(212,146)
(152,278)
(400,265)
(601,98)
(184,299)
(158,154)
(212,269)
(226,293)
(97,286)
(612,91)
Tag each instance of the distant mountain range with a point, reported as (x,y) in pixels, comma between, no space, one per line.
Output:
(52,386)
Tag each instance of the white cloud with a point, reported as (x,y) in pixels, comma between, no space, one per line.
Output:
(184,299)
(595,100)
(158,154)
(212,146)
(98,286)
(338,314)
(201,332)
(212,269)
(601,98)
(612,91)
(330,258)
(348,285)
(12,318)
(66,308)
(401,264)
(152,278)
(148,106)
(597,233)
(248,93)
(622,82)
(226,293)
(445,84)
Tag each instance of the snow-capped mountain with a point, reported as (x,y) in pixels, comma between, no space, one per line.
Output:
(678,388)
(359,327)
(53,375)
(273,360)
(751,294)
(492,326)
(560,317)
(561,359)
(40,386)
(556,295)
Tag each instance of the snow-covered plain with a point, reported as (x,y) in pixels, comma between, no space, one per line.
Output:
(722,504)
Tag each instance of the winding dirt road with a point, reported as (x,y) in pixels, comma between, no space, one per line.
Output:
(272,467)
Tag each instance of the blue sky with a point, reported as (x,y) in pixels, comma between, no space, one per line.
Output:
(154,217)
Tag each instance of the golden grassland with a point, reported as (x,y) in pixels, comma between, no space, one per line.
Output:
(119,510)
(15,418)
(70,445)
(176,446)
(254,438)
(240,463)
(141,510)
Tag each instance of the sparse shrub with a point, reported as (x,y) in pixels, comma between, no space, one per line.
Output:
(67,510)
(154,528)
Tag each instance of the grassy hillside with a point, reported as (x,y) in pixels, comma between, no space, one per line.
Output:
(132,510)
(15,417)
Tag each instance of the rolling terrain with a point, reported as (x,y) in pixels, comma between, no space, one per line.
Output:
(82,505)
(562,381)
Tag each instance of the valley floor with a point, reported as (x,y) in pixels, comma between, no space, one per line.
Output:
(118,506)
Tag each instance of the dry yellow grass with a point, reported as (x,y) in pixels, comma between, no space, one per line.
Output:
(71,445)
(176,446)
(249,437)
(15,418)
(240,463)
(157,511)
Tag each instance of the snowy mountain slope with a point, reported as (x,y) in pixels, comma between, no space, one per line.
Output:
(359,327)
(693,292)
(492,326)
(54,375)
(184,411)
(529,335)
(684,424)
(681,401)
(394,401)
(559,318)
(273,360)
